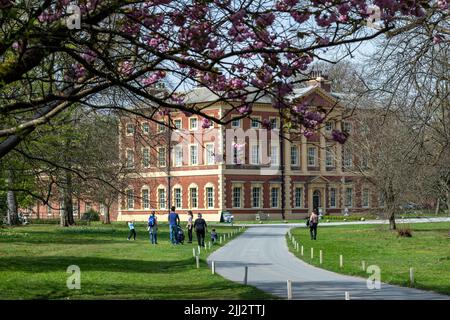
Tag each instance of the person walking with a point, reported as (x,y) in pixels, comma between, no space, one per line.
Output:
(200,229)
(174,221)
(153,228)
(190,225)
(313,222)
(132,231)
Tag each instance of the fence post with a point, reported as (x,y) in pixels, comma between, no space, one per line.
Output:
(341,261)
(193,252)
(320,257)
(245,275)
(302,251)
(289,289)
(198,249)
(347,295)
(363,265)
(213,267)
(411,276)
(312,253)
(197,260)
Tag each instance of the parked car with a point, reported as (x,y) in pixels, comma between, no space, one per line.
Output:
(227,217)
(409,206)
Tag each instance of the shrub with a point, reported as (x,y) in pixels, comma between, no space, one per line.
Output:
(404,231)
(91,215)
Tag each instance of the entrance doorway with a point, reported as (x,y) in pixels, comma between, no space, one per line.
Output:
(316,199)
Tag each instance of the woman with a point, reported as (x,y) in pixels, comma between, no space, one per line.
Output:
(313,221)
(190,225)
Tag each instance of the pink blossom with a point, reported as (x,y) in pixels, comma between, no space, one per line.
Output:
(155,77)
(206,123)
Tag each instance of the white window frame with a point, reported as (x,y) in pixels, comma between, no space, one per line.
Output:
(145,125)
(233,197)
(191,204)
(296,148)
(190,124)
(329,157)
(130,204)
(175,124)
(143,157)
(365,191)
(277,122)
(314,157)
(348,158)
(335,197)
(296,197)
(347,204)
(162,205)
(209,156)
(239,123)
(259,196)
(277,155)
(129,164)
(258,122)
(191,154)
(145,202)
(126,129)
(271,197)
(178,155)
(175,199)
(252,155)
(159,157)
(208,204)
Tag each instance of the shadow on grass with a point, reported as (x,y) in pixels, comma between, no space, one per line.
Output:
(60,263)
(170,290)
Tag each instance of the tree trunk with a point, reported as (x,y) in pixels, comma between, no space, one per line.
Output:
(107,219)
(448,202)
(438,202)
(391,206)
(11,201)
(68,204)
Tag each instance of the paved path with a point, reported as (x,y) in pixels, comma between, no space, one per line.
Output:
(264,250)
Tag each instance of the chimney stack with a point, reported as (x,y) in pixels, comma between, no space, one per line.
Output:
(318,79)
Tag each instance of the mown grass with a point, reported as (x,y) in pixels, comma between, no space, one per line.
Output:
(427,251)
(34,260)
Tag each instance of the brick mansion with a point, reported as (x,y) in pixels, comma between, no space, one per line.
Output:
(239,168)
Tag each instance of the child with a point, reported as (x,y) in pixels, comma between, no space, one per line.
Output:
(132,231)
(213,236)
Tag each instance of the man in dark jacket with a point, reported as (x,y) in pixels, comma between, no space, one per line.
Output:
(200,229)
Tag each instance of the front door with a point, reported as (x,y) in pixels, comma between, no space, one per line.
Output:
(316,199)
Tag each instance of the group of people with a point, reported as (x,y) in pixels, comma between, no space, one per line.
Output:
(199,226)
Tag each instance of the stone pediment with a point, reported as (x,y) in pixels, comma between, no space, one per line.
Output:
(319,180)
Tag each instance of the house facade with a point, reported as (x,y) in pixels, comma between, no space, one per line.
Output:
(185,161)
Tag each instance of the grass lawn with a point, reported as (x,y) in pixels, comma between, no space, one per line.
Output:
(427,251)
(34,260)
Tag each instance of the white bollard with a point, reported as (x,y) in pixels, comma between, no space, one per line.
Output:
(220,240)
(411,276)
(213,267)
(320,257)
(363,265)
(341,261)
(312,253)
(297,247)
(198,249)
(301,252)
(289,289)
(193,252)
(197,260)
(245,275)
(347,295)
